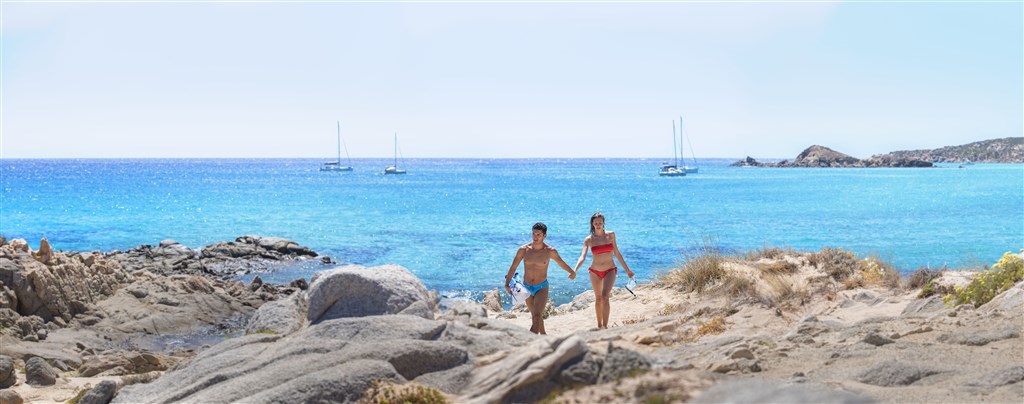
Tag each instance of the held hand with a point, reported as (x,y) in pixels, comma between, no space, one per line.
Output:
(629,273)
(572,275)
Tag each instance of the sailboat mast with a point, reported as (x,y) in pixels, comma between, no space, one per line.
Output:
(339,142)
(675,160)
(681,155)
(396,149)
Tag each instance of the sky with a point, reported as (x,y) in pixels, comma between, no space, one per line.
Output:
(505,80)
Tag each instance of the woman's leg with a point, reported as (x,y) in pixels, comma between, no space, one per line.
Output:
(606,288)
(540,300)
(597,283)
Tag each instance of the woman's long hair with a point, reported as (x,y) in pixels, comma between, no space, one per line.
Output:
(596,215)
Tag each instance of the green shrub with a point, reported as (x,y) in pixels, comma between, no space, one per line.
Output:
(990,283)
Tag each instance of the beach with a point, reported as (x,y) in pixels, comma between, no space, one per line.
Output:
(775,325)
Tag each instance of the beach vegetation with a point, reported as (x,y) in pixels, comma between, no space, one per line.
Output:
(387,392)
(636,319)
(703,267)
(670,309)
(714,326)
(772,253)
(989,283)
(922,277)
(81,393)
(779,267)
(140,378)
(836,262)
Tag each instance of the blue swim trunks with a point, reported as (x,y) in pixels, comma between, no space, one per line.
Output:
(533,289)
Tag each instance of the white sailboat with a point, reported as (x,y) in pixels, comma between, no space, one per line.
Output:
(393,169)
(336,165)
(672,170)
(684,167)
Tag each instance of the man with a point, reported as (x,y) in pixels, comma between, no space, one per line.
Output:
(535,257)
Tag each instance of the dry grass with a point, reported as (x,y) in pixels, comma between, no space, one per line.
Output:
(921,277)
(837,263)
(779,267)
(636,319)
(714,326)
(387,392)
(702,268)
(772,253)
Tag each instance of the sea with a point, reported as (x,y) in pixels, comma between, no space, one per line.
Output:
(457,223)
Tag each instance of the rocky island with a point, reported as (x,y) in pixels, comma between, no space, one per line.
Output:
(1006,150)
(770,325)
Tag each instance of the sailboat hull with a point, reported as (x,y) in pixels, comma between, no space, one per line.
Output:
(335,168)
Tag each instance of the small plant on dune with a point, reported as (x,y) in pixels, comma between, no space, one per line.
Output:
(670,309)
(140,378)
(779,267)
(387,392)
(637,319)
(837,263)
(702,268)
(989,283)
(714,326)
(921,277)
(736,286)
(772,253)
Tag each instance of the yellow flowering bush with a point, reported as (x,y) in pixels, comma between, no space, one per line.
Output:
(990,283)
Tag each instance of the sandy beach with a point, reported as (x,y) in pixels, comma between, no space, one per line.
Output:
(770,326)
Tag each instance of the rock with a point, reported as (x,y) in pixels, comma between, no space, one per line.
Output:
(138,292)
(747,162)
(621,362)
(45,253)
(10,397)
(978,337)
(7,375)
(894,373)
(492,301)
(876,340)
(101,394)
(334,360)
(762,391)
(256,283)
(528,367)
(1000,377)
(283,316)
(924,307)
(354,291)
(299,283)
(582,372)
(466,309)
(39,373)
(741,353)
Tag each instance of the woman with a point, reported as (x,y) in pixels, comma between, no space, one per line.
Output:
(602,265)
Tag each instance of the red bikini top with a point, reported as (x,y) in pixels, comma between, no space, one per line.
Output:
(602,249)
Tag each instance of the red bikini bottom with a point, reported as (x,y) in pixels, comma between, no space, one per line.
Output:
(602,274)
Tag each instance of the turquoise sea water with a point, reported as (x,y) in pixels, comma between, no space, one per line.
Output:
(456,223)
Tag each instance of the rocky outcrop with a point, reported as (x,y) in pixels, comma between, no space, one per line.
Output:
(1005,150)
(246,254)
(60,286)
(101,394)
(824,157)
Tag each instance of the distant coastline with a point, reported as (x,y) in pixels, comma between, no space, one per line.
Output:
(1005,150)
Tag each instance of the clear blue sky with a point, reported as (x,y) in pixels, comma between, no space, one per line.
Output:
(505,79)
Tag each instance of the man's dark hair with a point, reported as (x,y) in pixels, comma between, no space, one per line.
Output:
(542,227)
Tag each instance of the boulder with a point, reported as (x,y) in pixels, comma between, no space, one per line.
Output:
(621,362)
(10,397)
(492,301)
(523,371)
(39,373)
(283,316)
(101,394)
(7,375)
(355,291)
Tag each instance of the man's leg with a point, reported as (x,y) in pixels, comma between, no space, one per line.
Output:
(529,306)
(540,300)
